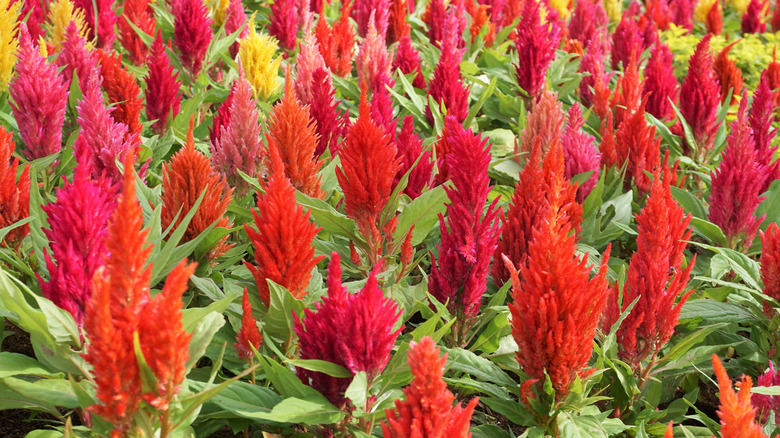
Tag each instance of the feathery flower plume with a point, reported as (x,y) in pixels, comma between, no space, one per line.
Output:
(525,210)
(767,404)
(122,90)
(237,145)
(683,13)
(776,18)
(638,146)
(479,19)
(536,41)
(283,240)
(138,12)
(736,184)
(627,43)
(468,238)
(588,23)
(382,105)
(76,57)
(447,85)
(78,226)
(714,22)
(557,305)
(14,194)
(760,118)
(702,9)
(235,20)
(397,26)
(249,336)
(39,100)
(163,98)
(628,92)
(257,58)
(101,138)
(185,177)
(427,409)
(544,123)
(660,84)
(728,74)
(608,146)
(337,43)
(100,17)
(363,12)
(659,13)
(592,64)
(737,414)
(407,59)
(770,262)
(663,230)
(309,59)
(323,109)
(284,23)
(435,18)
(291,133)
(219,11)
(408,149)
(614,9)
(355,331)
(192,33)
(699,97)
(61,13)
(221,119)
(35,11)
(579,152)
(373,60)
(752,20)
(9,44)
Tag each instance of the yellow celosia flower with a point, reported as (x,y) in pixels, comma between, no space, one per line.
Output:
(614,9)
(61,13)
(8,42)
(702,9)
(218,9)
(740,5)
(562,7)
(260,67)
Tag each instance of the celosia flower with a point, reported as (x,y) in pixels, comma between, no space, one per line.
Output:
(284,23)
(628,92)
(138,12)
(699,97)
(588,23)
(337,44)
(427,410)
(544,123)
(556,304)
(579,152)
(368,166)
(163,98)
(659,12)
(663,231)
(78,226)
(76,57)
(219,11)
(100,17)
(291,132)
(409,149)
(407,59)
(526,209)
(767,404)
(309,59)
(249,336)
(736,184)
(468,238)
(122,91)
(9,44)
(760,118)
(382,105)
(660,83)
(355,331)
(324,111)
(39,100)
(14,194)
(479,19)
(736,413)
(236,19)
(397,26)
(373,60)
(221,119)
(192,33)
(447,86)
(776,18)
(608,145)
(752,20)
(714,21)
(728,74)
(35,12)
(613,8)
(364,9)
(592,65)
(283,240)
(101,138)
(683,13)
(435,19)
(257,58)
(536,42)
(702,9)
(238,146)
(639,148)
(186,176)
(627,43)
(61,13)
(770,262)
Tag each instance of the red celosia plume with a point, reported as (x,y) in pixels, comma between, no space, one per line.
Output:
(140,13)
(192,32)
(699,97)
(249,336)
(123,92)
(14,193)
(660,84)
(536,42)
(737,414)
(163,98)
(770,260)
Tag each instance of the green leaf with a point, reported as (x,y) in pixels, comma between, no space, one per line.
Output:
(244,399)
(15,364)
(685,344)
(281,310)
(327,217)
(477,106)
(713,312)
(284,380)
(357,391)
(321,366)
(57,392)
(312,410)
(477,367)
(202,333)
(148,379)
(423,213)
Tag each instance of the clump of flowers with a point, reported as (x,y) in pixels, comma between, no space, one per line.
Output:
(337,43)
(61,13)
(660,83)
(284,23)
(138,12)
(767,404)
(256,52)
(122,91)
(770,263)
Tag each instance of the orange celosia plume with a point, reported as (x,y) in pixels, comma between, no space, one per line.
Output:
(737,414)
(249,336)
(14,194)
(122,90)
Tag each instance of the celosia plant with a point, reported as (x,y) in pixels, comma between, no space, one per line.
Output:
(737,414)
(770,263)
(284,23)
(579,152)
(138,12)
(61,13)
(9,28)
(257,58)
(330,123)
(767,404)
(249,336)
(337,43)
(699,98)
(446,86)
(729,76)
(100,18)
(163,98)
(536,41)
(660,83)
(14,193)
(122,91)
(76,56)
(544,123)
(760,118)
(192,33)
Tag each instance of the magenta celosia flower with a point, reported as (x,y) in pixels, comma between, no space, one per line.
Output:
(736,184)
(660,83)
(35,11)
(284,23)
(236,19)
(436,19)
(761,117)
(589,23)
(766,404)
(238,145)
(222,117)
(592,64)
(409,148)
(40,97)
(700,97)
(627,43)
(162,88)
(382,107)
(356,331)
(535,42)
(468,238)
(100,18)
(683,13)
(752,21)
(407,59)
(363,11)
(373,60)
(323,109)
(101,139)
(770,264)
(309,59)
(192,32)
(446,86)
(78,226)
(75,57)
(496,9)
(580,153)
